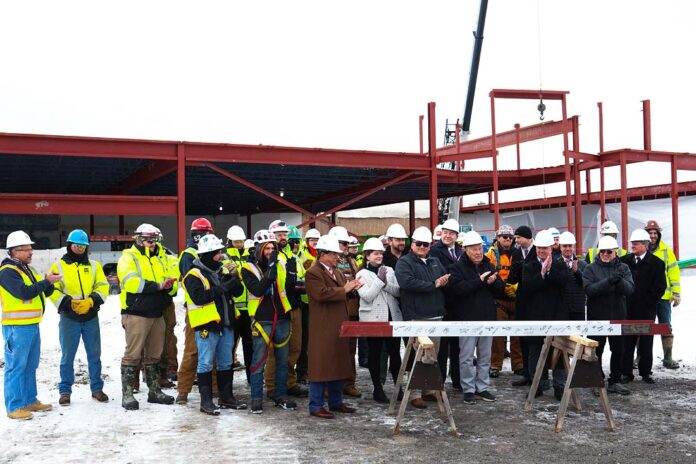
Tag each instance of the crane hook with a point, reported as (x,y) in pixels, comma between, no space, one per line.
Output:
(541,107)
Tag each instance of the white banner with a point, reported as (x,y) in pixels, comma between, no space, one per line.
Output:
(503,328)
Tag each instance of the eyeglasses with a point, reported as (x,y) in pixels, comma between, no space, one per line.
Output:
(149,240)
(506,237)
(606,252)
(421,244)
(24,249)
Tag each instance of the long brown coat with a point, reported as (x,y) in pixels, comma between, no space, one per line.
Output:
(328,354)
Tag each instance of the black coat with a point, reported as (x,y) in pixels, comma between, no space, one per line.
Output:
(606,301)
(515,277)
(389,258)
(441,252)
(543,295)
(200,296)
(420,299)
(474,299)
(574,298)
(649,280)
(267,287)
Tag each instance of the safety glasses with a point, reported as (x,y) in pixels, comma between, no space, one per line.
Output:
(420,244)
(606,252)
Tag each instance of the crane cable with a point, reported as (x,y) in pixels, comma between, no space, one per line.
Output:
(541,106)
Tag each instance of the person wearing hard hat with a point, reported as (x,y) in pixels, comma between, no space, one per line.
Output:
(385,240)
(79,295)
(543,280)
(608,282)
(396,244)
(23,293)
(474,286)
(448,253)
(187,368)
(672,295)
(331,359)
(307,256)
(267,283)
(168,362)
(437,233)
(556,248)
(574,297)
(209,288)
(500,256)
(421,280)
(145,290)
(378,303)
(608,228)
(287,255)
(648,273)
(249,249)
(353,251)
(349,268)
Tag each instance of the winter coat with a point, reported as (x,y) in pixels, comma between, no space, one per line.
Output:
(82,278)
(574,298)
(606,301)
(650,284)
(543,295)
(378,300)
(349,268)
(671,269)
(420,299)
(391,260)
(200,296)
(328,354)
(265,286)
(474,299)
(441,252)
(140,274)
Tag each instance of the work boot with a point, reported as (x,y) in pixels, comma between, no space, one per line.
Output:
(226,399)
(155,395)
(128,376)
(182,398)
(39,406)
(205,388)
(100,396)
(20,414)
(667,361)
(64,399)
(353,391)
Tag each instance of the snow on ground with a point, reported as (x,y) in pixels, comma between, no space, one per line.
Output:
(655,420)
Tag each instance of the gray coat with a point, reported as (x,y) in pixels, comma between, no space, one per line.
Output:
(378,299)
(607,301)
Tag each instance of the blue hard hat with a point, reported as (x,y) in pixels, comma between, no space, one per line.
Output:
(78,237)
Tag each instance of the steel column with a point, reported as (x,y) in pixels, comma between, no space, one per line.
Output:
(517,144)
(121,225)
(91,224)
(624,203)
(566,171)
(411,216)
(602,198)
(181,196)
(249,232)
(494,156)
(432,153)
(675,207)
(647,130)
(577,186)
(420,132)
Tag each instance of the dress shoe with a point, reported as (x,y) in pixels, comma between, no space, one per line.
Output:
(322,413)
(523,382)
(418,403)
(430,397)
(648,379)
(379,396)
(352,390)
(343,407)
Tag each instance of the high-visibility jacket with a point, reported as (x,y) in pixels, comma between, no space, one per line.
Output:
(140,274)
(254,301)
(171,262)
(359,260)
(671,270)
(191,251)
(501,261)
(240,302)
(21,312)
(593,252)
(305,260)
(200,314)
(285,255)
(79,281)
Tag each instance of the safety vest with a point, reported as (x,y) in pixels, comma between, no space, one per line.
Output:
(134,268)
(254,301)
(199,315)
(671,270)
(171,262)
(359,260)
(79,281)
(287,254)
(21,312)
(305,256)
(240,302)
(592,253)
(502,262)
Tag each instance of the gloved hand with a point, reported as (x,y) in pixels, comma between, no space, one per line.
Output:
(272,272)
(230,267)
(382,274)
(615,279)
(228,284)
(676,300)
(510,290)
(82,306)
(273,259)
(167,284)
(291,266)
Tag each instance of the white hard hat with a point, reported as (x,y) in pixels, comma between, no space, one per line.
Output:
(554,232)
(248,243)
(567,238)
(608,243)
(460,237)
(608,227)
(147,230)
(437,233)
(353,241)
(209,243)
(451,224)
(639,235)
(396,231)
(278,226)
(340,233)
(543,239)
(373,244)
(263,236)
(313,233)
(505,230)
(18,238)
(328,243)
(236,233)
(472,238)
(422,234)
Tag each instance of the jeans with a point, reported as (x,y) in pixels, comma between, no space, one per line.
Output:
(22,353)
(664,312)
(69,334)
(215,346)
(281,354)
(475,378)
(316,394)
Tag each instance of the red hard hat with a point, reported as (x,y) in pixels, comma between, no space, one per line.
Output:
(652,224)
(202,224)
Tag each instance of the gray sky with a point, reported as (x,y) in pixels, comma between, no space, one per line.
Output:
(344,75)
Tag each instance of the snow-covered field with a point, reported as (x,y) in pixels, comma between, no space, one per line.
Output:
(497,432)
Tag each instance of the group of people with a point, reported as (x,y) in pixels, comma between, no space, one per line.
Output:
(284,298)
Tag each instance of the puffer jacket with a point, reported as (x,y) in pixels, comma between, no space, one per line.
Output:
(378,300)
(606,301)
(420,299)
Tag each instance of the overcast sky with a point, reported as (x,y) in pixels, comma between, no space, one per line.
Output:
(344,74)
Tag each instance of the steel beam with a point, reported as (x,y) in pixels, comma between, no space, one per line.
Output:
(674,194)
(517,94)
(145,176)
(38,203)
(432,158)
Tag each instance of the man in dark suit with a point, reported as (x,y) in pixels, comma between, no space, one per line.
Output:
(448,252)
(648,273)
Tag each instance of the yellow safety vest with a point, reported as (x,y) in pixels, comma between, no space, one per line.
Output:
(79,281)
(305,256)
(134,268)
(671,270)
(287,254)
(21,312)
(199,315)
(254,301)
(240,302)
(359,259)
